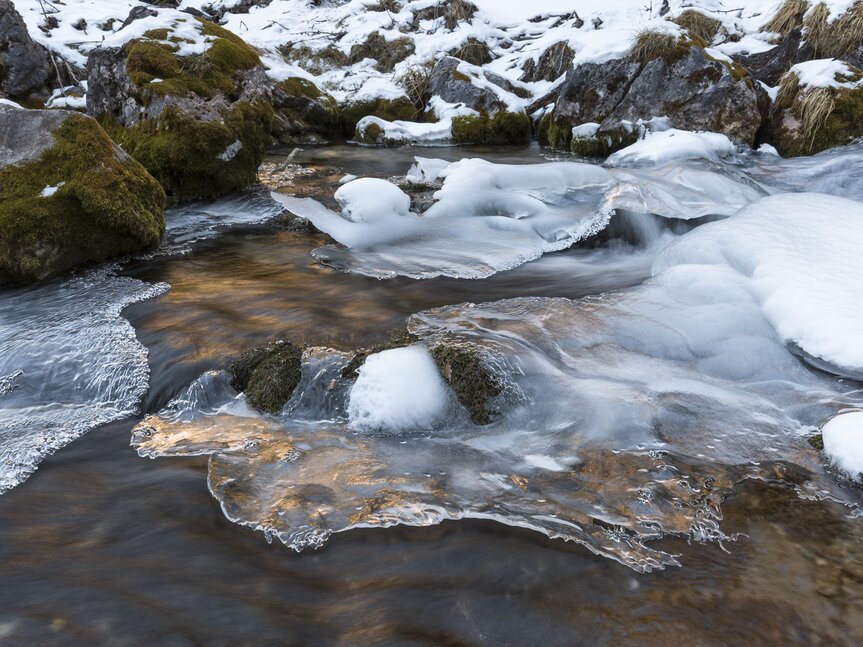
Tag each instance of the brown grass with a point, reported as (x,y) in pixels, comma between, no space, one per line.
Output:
(836,39)
(812,106)
(787,18)
(697,24)
(651,44)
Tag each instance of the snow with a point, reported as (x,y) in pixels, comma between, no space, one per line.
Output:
(800,256)
(825,73)
(48,191)
(370,200)
(398,390)
(421,132)
(11,104)
(843,442)
(673,145)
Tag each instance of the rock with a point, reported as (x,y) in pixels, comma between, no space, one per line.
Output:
(807,120)
(768,67)
(138,13)
(453,12)
(386,52)
(453,86)
(199,124)
(474,385)
(25,67)
(474,52)
(302,112)
(554,62)
(686,85)
(268,375)
(69,196)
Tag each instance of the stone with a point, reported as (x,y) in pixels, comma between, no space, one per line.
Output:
(25,66)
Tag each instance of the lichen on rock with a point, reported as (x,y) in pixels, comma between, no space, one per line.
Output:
(69,196)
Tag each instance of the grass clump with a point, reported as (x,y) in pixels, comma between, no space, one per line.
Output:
(462,367)
(698,25)
(503,128)
(787,18)
(415,82)
(652,44)
(836,39)
(105,205)
(268,375)
(827,116)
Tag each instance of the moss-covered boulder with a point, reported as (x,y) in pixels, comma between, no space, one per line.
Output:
(503,128)
(386,53)
(268,375)
(809,119)
(197,118)
(351,112)
(302,112)
(663,76)
(69,196)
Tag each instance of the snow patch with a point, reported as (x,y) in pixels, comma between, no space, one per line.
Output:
(843,442)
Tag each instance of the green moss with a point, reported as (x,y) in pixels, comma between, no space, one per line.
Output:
(190,157)
(387,109)
(603,144)
(473,384)
(503,128)
(371,134)
(299,87)
(397,339)
(205,74)
(816,441)
(557,134)
(459,76)
(268,375)
(106,205)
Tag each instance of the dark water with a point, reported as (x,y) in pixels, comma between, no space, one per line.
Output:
(103,547)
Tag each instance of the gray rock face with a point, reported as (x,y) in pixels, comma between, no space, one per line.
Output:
(25,67)
(694,91)
(26,134)
(554,62)
(454,87)
(769,66)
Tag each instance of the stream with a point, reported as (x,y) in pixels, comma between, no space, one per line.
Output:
(632,489)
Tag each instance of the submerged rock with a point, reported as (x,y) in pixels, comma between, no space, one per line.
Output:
(69,195)
(198,122)
(268,375)
(681,82)
(25,67)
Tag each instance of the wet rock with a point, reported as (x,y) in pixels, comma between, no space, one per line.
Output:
(198,123)
(463,368)
(268,375)
(69,196)
(25,67)
(554,62)
(684,84)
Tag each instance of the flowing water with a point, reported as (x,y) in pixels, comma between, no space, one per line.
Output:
(691,465)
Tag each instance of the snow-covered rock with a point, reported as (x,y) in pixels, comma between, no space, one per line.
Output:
(843,442)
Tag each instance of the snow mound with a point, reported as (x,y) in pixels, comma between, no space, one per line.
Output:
(825,73)
(398,389)
(372,200)
(658,147)
(800,255)
(843,442)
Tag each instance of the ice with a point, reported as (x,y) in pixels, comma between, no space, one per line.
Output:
(843,442)
(69,362)
(370,200)
(398,389)
(799,256)
(673,145)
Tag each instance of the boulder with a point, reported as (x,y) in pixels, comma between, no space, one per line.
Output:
(198,122)
(685,85)
(550,66)
(25,67)
(454,86)
(769,66)
(69,196)
(302,113)
(807,120)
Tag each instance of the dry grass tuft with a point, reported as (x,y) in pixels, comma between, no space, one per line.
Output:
(415,82)
(787,18)
(812,106)
(836,39)
(697,24)
(651,44)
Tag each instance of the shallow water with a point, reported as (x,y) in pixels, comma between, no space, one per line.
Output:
(100,546)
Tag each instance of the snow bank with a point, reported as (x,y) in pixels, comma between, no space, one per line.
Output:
(673,145)
(843,442)
(800,255)
(398,389)
(825,73)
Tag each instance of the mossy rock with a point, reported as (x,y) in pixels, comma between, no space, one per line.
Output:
(350,113)
(268,375)
(810,120)
(604,143)
(462,367)
(397,339)
(102,204)
(197,159)
(503,128)
(816,441)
